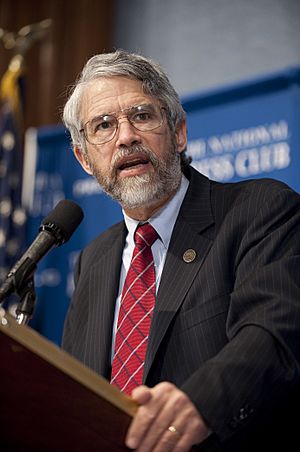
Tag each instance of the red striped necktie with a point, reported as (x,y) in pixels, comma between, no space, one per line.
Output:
(135,315)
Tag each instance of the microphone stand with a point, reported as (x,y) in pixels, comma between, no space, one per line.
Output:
(23,285)
(26,306)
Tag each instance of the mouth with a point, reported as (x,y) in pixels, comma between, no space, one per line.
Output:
(133,163)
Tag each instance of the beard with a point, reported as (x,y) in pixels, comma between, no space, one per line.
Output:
(137,191)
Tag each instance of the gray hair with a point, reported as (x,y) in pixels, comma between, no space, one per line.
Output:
(121,63)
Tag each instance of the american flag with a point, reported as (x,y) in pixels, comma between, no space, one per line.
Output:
(12,214)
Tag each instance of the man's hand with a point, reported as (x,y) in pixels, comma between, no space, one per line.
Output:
(166,420)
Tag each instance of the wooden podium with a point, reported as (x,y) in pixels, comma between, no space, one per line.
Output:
(49,401)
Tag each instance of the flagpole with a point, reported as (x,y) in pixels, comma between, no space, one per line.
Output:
(12,212)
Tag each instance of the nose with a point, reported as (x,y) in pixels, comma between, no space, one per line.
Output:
(127,135)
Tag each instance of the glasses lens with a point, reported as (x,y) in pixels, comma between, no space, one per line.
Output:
(101,129)
(145,117)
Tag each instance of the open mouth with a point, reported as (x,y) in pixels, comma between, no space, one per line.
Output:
(129,163)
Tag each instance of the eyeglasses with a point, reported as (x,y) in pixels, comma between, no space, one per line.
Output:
(103,128)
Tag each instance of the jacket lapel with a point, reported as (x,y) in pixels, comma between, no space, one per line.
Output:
(180,270)
(104,284)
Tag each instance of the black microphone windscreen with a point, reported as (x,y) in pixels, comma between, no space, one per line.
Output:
(66,216)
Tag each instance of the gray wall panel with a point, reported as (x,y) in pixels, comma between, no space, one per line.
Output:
(206,43)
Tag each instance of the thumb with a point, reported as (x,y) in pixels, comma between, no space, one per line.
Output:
(141,394)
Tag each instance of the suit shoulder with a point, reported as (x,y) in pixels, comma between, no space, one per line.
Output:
(265,185)
(246,199)
(260,190)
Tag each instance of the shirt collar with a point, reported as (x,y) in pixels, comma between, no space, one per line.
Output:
(164,220)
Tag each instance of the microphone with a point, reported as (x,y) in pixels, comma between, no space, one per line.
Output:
(55,230)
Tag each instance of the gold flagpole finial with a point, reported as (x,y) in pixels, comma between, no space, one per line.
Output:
(21,41)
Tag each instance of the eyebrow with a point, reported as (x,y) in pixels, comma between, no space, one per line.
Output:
(113,113)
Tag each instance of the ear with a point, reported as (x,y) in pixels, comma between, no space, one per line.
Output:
(83,159)
(181,136)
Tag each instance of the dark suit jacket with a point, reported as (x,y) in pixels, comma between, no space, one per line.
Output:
(226,326)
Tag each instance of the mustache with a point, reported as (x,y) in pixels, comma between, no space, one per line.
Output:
(133,150)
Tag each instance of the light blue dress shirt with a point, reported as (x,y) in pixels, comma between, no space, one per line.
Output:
(163,222)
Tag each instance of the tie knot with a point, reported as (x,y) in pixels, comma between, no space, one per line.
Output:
(145,234)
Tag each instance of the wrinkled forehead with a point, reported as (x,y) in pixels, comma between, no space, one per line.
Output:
(111,94)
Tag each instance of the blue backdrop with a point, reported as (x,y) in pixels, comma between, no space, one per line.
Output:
(245,131)
(58,175)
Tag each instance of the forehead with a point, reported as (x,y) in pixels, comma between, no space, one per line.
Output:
(110,94)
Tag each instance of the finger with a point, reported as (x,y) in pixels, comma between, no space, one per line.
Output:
(156,430)
(173,440)
(174,430)
(192,430)
(138,427)
(144,416)
(168,441)
(171,400)
(180,418)
(141,394)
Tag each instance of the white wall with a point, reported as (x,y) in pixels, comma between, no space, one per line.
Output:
(207,43)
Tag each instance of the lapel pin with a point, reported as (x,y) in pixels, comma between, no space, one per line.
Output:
(189,255)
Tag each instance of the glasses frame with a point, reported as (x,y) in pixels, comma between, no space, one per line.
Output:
(114,114)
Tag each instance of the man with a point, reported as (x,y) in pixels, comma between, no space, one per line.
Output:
(219,358)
